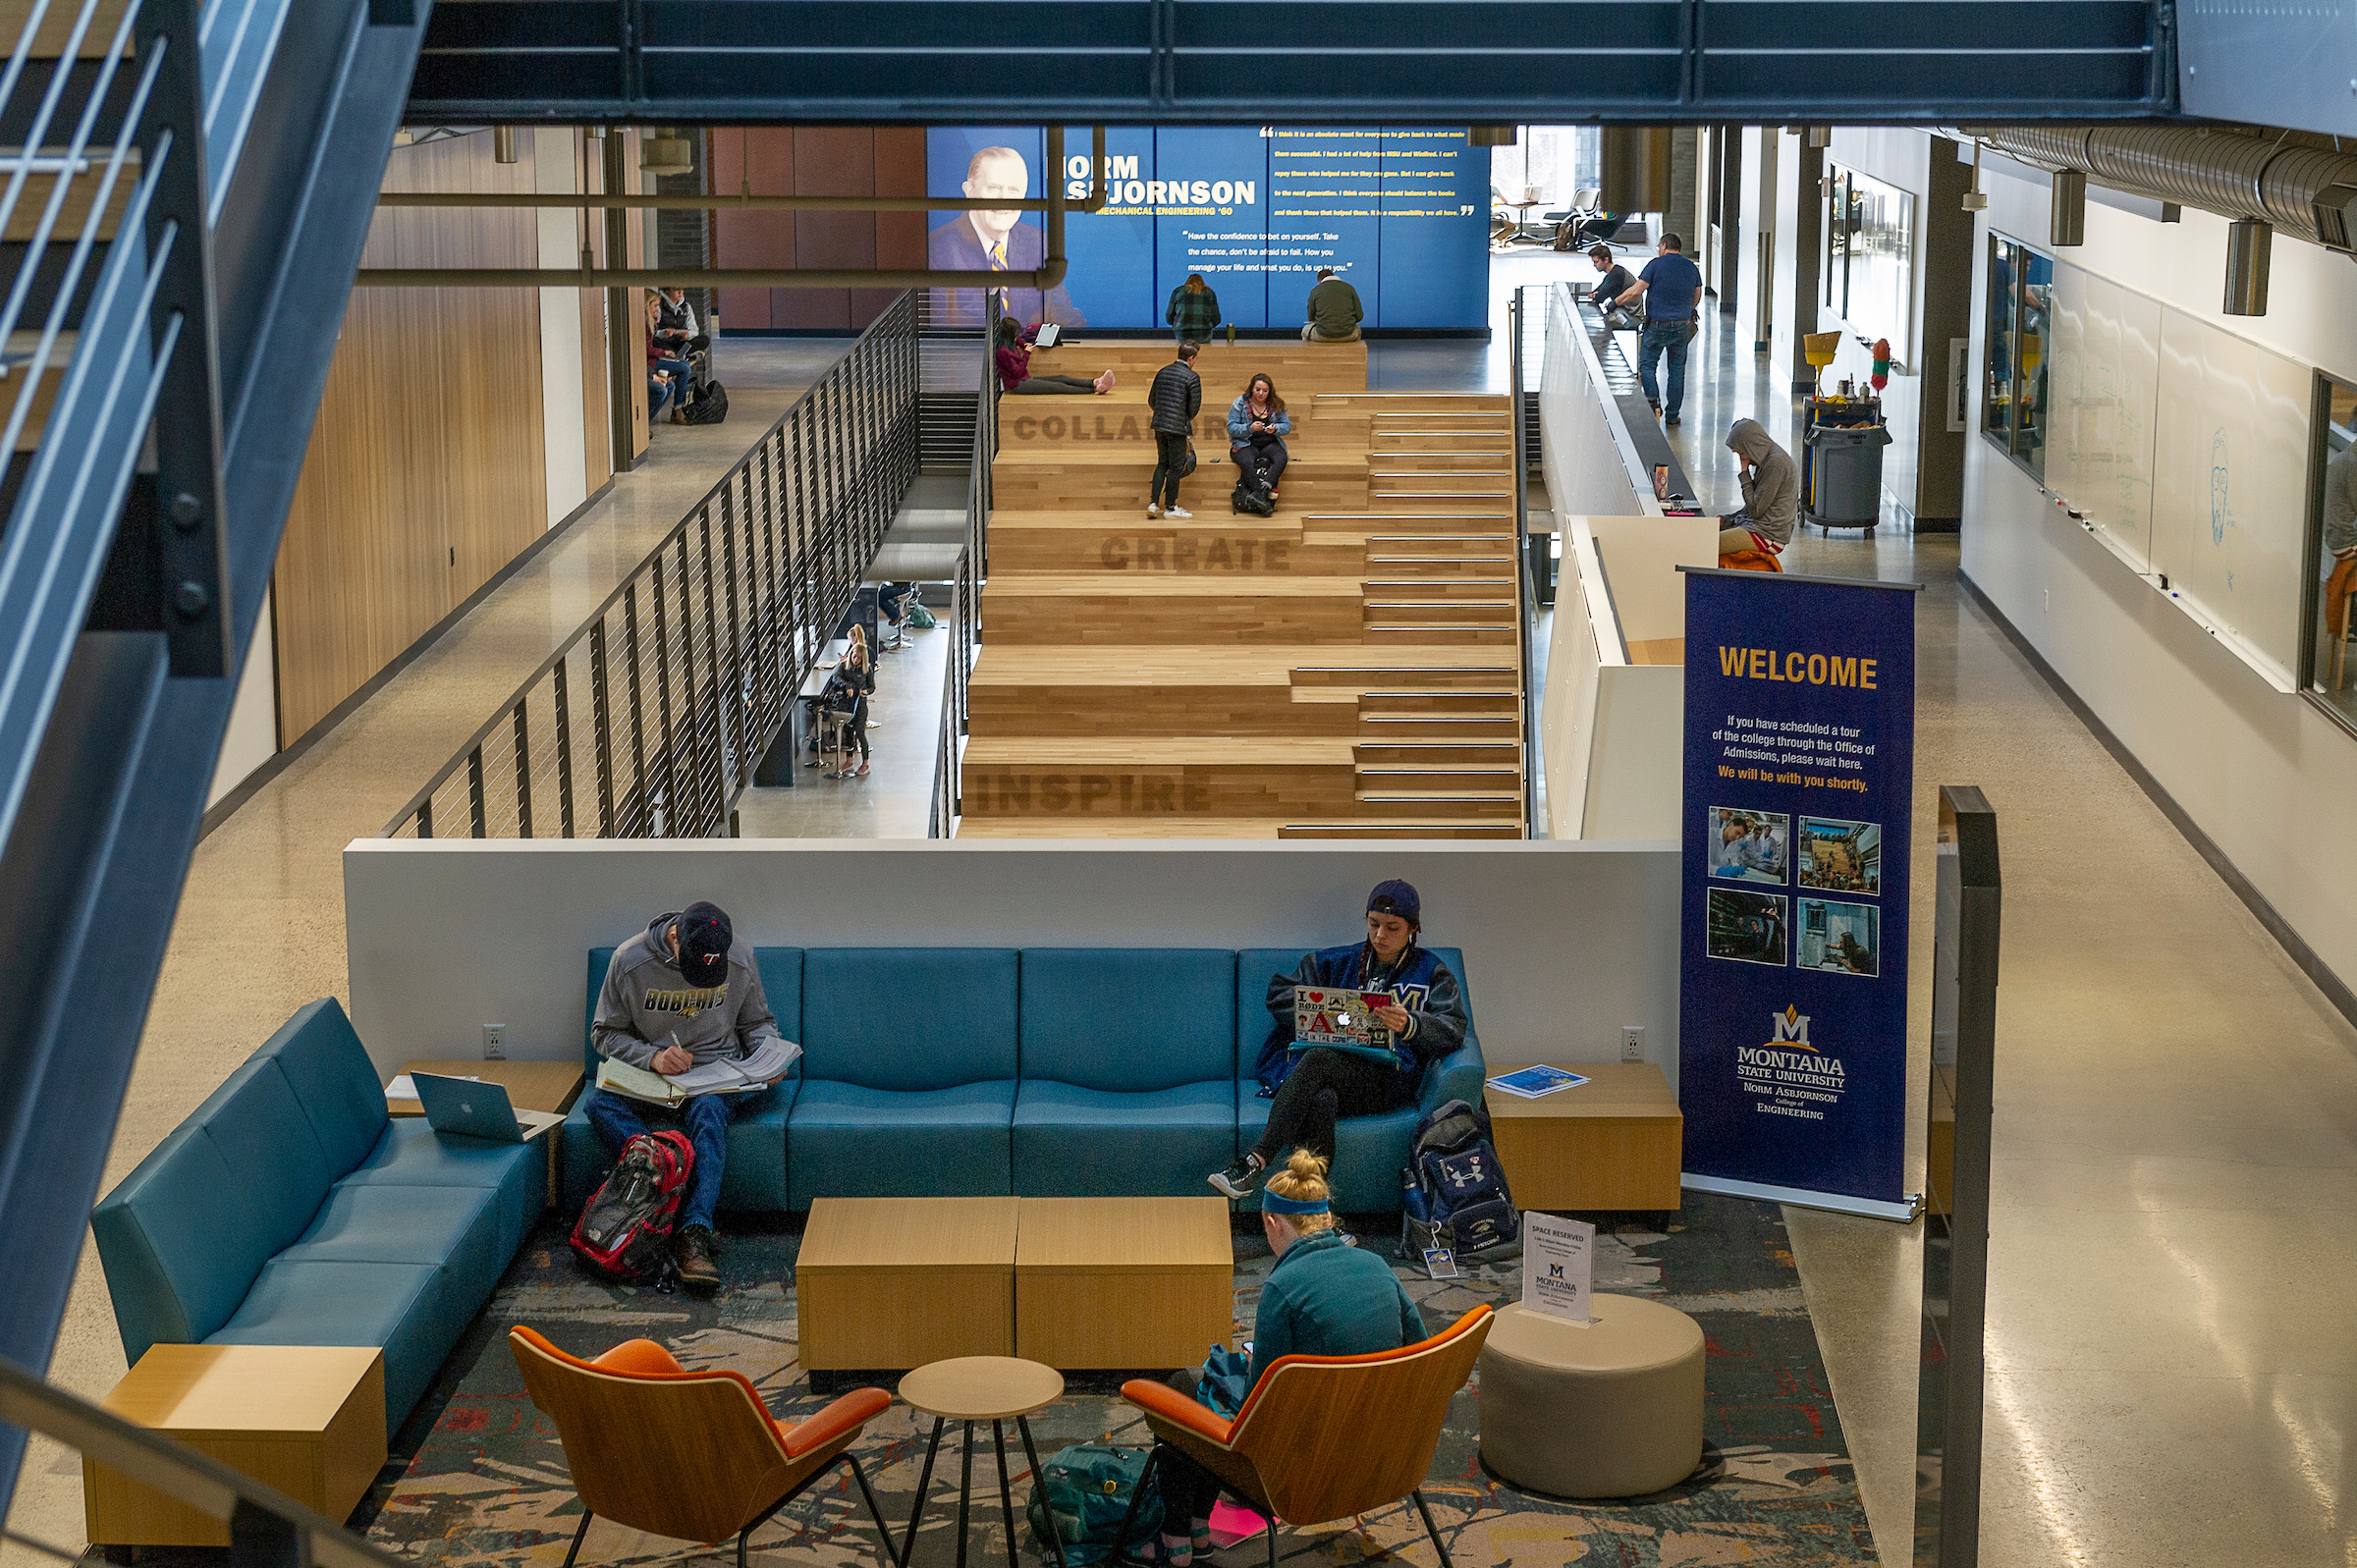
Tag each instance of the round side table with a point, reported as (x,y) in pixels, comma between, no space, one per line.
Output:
(972,1389)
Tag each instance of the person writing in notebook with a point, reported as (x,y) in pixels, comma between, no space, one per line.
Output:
(680,995)
(1309,1089)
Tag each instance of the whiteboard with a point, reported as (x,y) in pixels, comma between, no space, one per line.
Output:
(2104,386)
(2230,488)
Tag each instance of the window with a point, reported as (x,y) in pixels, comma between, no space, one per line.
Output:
(2332,521)
(1869,260)
(2013,405)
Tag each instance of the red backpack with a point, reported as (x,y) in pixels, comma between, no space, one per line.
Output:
(625,1233)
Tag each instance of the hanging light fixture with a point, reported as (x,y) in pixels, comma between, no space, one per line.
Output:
(666,153)
(503,143)
(1976,200)
(2250,242)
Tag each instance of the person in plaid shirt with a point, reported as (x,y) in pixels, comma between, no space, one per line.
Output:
(1194,309)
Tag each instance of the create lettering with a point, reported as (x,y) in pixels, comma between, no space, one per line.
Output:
(1796,668)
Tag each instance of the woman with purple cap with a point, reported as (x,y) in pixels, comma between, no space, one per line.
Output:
(1309,1089)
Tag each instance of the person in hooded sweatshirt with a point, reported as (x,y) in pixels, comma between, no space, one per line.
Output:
(682,993)
(1771,493)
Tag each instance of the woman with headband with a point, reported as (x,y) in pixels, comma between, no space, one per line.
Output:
(1322,1297)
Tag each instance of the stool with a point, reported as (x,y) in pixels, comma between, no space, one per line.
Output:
(1612,1410)
(972,1389)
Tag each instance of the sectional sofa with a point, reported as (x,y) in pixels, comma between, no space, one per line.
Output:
(1092,1071)
(290,1209)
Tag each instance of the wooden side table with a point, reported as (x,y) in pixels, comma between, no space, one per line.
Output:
(970,1388)
(902,1281)
(550,1086)
(309,1420)
(1615,1142)
(1122,1281)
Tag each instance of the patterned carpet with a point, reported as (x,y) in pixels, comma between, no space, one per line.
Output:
(485,1483)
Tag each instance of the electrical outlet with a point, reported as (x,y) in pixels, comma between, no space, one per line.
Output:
(495,1042)
(1632,1042)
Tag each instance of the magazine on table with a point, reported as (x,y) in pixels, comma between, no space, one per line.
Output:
(741,1075)
(1534,1083)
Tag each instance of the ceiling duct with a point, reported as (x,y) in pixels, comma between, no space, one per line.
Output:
(2305,191)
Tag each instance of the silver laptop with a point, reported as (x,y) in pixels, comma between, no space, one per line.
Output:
(472,1108)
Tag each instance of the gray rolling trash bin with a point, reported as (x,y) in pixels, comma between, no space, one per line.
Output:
(1845,470)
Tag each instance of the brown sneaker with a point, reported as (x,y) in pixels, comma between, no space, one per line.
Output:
(692,1252)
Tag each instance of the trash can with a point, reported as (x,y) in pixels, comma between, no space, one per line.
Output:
(1845,475)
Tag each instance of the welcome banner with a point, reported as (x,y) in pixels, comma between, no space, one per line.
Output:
(1792,994)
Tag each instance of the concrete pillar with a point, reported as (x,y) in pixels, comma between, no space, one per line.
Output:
(1728,259)
(1808,251)
(1947,300)
(1679,216)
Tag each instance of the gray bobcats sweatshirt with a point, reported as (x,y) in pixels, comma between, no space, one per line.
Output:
(647,1004)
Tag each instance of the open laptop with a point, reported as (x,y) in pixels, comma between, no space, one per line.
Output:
(1342,1018)
(473,1108)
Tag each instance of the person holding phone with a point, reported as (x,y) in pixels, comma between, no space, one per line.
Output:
(1257,425)
(1309,1090)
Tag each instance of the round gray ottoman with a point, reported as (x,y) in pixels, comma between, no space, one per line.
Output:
(1612,1410)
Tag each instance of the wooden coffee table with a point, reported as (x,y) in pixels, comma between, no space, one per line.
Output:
(550,1086)
(309,1420)
(1139,1283)
(1615,1142)
(972,1389)
(903,1281)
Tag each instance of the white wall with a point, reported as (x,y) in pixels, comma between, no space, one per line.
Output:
(2264,774)
(1564,942)
(565,444)
(252,735)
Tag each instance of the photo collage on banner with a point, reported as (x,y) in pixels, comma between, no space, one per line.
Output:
(1402,215)
(1799,770)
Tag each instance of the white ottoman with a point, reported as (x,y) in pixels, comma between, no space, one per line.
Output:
(1612,1410)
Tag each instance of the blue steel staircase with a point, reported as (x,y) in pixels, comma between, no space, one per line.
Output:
(184,186)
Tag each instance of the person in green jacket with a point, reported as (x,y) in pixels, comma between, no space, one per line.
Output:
(1194,309)
(1324,1297)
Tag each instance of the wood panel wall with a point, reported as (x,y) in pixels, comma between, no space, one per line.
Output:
(816,161)
(426,472)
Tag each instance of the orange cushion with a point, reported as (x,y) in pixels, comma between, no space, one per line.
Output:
(639,1357)
(1749,561)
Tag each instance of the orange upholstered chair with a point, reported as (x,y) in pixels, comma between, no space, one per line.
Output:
(1327,1437)
(693,1455)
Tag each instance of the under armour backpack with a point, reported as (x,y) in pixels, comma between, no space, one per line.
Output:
(1454,1189)
(625,1233)
(1082,1495)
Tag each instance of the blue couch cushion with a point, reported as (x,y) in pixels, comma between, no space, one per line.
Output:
(333,1080)
(752,1178)
(457,1228)
(178,1247)
(274,1159)
(909,1019)
(780,986)
(404,1307)
(1129,1018)
(1087,1142)
(844,1140)
(411,1153)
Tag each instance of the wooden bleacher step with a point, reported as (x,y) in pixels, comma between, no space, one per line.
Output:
(1437,753)
(1484,676)
(1402,830)
(1506,805)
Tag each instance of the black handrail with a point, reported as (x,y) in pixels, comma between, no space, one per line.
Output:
(1525,595)
(967,590)
(715,631)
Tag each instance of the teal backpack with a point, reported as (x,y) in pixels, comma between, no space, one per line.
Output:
(1082,1493)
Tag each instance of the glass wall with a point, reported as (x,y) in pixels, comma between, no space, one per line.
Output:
(1869,261)
(2334,517)
(2019,331)
(1548,164)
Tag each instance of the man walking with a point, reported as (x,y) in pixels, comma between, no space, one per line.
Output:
(1672,287)
(681,994)
(1175,398)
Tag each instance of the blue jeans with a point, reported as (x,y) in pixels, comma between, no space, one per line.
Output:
(1660,335)
(618,1118)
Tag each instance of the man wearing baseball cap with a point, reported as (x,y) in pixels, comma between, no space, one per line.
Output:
(1309,1089)
(681,994)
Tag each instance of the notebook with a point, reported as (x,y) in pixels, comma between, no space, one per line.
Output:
(472,1108)
(743,1075)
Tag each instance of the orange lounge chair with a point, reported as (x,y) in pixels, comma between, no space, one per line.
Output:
(693,1455)
(1326,1437)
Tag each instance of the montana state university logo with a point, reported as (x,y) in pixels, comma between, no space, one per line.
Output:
(1789,1028)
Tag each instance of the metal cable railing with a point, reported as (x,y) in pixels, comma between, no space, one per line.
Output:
(973,561)
(1525,596)
(651,720)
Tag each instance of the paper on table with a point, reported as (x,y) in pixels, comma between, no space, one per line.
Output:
(1530,1083)
(404,1087)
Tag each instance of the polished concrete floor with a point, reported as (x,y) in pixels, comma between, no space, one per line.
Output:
(2175,1241)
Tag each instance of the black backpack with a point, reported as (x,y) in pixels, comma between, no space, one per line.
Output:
(1251,498)
(711,404)
(1454,1189)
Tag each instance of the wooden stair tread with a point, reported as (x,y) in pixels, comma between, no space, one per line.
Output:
(1166,664)
(1160,750)
(1175,585)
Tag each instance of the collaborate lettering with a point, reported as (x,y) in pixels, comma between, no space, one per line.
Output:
(1193,555)
(1084,791)
(1796,669)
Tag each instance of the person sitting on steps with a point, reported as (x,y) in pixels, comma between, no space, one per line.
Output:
(1322,1297)
(1257,425)
(1015,370)
(687,982)
(1310,1089)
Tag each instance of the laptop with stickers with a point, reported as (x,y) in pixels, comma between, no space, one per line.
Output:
(1340,1018)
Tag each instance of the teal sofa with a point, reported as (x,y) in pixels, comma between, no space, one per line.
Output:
(1035,1072)
(290,1209)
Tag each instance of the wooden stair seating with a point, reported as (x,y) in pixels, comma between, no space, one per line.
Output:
(1349,668)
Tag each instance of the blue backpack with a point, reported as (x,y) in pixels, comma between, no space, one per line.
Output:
(1454,1189)
(1081,1495)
